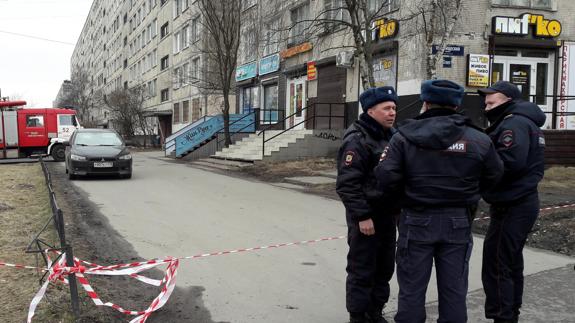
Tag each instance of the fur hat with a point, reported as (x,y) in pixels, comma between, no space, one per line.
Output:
(442,92)
(373,96)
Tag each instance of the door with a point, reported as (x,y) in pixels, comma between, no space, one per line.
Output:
(532,75)
(34,129)
(296,103)
(66,125)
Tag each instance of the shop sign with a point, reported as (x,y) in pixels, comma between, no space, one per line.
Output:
(386,28)
(567,87)
(246,71)
(542,27)
(292,51)
(447,62)
(269,64)
(311,71)
(450,50)
(385,70)
(478,70)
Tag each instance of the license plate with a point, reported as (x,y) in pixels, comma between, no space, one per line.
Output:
(103,164)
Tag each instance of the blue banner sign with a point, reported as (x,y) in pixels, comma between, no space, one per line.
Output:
(195,136)
(450,50)
(269,64)
(246,71)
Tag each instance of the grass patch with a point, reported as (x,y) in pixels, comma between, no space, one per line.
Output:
(24,210)
(558,177)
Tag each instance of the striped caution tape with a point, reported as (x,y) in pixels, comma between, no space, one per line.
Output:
(485,215)
(59,272)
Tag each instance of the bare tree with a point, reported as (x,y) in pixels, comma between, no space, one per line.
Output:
(127,112)
(81,96)
(220,21)
(359,23)
(433,21)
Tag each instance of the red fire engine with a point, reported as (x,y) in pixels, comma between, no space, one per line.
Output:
(29,131)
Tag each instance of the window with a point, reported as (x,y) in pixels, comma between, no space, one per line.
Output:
(163,2)
(151,87)
(165,95)
(177,77)
(335,11)
(271,37)
(164,30)
(34,120)
(66,120)
(380,7)
(269,114)
(196,110)
(546,4)
(249,44)
(195,71)
(176,115)
(248,99)
(164,63)
(299,24)
(195,32)
(185,111)
(177,7)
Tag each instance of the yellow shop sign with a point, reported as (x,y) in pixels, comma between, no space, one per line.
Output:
(547,28)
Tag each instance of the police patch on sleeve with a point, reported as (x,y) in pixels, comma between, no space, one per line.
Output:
(349,155)
(506,138)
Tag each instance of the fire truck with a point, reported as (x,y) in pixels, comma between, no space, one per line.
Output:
(26,132)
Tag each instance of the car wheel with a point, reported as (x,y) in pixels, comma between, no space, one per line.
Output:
(58,153)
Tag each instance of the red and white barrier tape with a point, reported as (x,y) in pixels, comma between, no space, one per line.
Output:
(59,271)
(566,206)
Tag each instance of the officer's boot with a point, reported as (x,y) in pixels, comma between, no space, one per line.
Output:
(358,318)
(376,317)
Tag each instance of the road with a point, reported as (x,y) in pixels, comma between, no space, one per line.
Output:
(172,209)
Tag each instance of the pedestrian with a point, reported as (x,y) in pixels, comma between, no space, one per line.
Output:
(514,202)
(371,228)
(442,162)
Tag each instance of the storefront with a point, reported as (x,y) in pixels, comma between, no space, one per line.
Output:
(296,88)
(248,98)
(524,51)
(269,87)
(385,53)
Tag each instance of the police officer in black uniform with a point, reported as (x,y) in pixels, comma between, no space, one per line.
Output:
(514,201)
(371,228)
(442,162)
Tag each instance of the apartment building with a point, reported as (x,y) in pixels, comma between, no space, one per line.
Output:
(284,66)
(152,44)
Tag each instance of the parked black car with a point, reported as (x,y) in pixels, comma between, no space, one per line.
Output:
(97,152)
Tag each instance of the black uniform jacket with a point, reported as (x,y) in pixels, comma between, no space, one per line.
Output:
(363,143)
(441,160)
(520,143)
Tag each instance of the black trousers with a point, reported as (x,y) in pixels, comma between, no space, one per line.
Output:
(502,270)
(370,265)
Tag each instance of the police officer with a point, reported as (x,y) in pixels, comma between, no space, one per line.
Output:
(442,163)
(371,229)
(514,201)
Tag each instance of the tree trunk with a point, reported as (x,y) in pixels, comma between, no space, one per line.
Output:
(226,114)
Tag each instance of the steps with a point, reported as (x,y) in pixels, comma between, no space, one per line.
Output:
(250,148)
(212,164)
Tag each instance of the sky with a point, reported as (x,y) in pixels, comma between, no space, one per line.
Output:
(34,63)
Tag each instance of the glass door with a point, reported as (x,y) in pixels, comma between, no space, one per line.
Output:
(296,99)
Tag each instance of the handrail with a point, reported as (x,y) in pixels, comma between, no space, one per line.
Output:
(235,132)
(186,128)
(314,105)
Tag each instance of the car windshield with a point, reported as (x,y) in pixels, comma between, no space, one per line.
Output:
(98,139)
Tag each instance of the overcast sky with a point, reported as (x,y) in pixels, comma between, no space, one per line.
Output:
(33,69)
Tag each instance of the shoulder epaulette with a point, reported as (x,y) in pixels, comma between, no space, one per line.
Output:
(508,116)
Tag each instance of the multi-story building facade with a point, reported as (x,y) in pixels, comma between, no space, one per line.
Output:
(287,66)
(152,44)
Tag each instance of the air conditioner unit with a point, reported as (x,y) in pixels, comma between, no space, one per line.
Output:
(344,59)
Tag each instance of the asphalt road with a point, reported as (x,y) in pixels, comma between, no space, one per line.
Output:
(172,209)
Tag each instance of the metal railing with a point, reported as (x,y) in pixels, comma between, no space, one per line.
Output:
(254,112)
(41,245)
(313,117)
